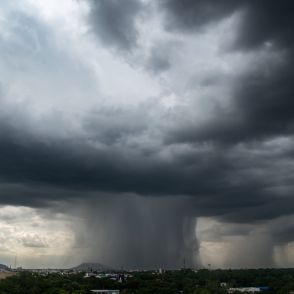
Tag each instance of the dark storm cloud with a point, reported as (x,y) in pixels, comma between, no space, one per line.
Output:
(114,22)
(190,15)
(107,131)
(283,231)
(262,98)
(262,107)
(218,180)
(266,21)
(71,164)
(262,21)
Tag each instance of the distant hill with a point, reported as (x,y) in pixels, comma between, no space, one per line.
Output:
(4,267)
(94,266)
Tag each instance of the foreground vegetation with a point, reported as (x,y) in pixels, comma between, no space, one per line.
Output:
(280,281)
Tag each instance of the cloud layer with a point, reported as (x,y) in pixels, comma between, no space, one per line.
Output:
(184,99)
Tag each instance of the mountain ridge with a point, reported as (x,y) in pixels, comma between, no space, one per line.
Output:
(92,266)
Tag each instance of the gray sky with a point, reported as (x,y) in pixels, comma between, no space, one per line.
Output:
(138,133)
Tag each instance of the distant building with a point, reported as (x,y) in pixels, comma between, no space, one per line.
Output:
(88,275)
(105,291)
(245,289)
(248,289)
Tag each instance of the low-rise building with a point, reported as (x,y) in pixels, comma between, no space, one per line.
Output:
(105,291)
(245,289)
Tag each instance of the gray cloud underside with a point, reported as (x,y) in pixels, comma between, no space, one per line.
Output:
(238,182)
(114,22)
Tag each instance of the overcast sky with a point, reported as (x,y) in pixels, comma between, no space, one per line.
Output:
(139,133)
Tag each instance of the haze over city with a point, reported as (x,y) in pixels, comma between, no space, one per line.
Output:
(147,134)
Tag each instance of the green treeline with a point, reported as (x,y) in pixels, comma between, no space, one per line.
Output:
(280,281)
